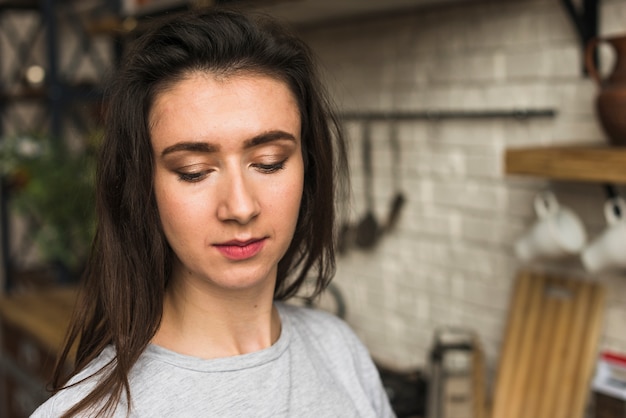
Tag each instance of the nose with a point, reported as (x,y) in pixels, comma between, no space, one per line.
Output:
(237,201)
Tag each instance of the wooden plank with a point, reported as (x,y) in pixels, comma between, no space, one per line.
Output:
(563,295)
(43,314)
(512,342)
(572,351)
(539,351)
(589,345)
(574,163)
(518,363)
(550,347)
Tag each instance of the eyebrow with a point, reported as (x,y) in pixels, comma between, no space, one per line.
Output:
(206,147)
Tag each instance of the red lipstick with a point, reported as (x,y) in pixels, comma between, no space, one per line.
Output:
(240,250)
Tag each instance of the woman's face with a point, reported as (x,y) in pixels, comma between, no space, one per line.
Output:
(228,177)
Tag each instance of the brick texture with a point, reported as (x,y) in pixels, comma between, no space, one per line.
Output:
(450,261)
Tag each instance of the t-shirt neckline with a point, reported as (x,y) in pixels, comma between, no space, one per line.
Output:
(224,364)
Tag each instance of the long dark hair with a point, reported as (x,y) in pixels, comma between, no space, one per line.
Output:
(122,292)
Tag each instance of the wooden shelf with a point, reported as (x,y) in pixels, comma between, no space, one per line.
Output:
(23,94)
(33,323)
(42,314)
(602,164)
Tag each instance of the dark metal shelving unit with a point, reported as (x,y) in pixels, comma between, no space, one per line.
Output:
(34,33)
(58,106)
(51,35)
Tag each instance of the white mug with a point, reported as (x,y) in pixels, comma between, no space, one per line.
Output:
(608,251)
(558,231)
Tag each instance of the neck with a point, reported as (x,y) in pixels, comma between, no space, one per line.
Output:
(203,323)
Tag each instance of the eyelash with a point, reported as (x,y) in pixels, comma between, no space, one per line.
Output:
(263,168)
(270,168)
(192,177)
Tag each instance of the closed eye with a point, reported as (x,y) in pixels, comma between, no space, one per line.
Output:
(270,168)
(193,177)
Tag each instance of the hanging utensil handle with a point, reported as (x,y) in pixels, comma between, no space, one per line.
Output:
(367,166)
(398,198)
(394,142)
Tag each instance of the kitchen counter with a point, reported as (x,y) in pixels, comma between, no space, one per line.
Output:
(33,324)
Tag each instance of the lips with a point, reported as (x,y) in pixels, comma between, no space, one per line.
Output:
(240,250)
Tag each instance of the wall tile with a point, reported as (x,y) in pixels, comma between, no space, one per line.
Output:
(450,260)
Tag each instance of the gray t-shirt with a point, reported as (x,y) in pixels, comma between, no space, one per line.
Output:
(317,368)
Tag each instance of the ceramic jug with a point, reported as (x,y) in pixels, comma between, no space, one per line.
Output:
(611,98)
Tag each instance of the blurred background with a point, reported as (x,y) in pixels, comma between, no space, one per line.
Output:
(459,113)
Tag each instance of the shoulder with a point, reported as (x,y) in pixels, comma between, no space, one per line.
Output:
(315,321)
(323,331)
(328,342)
(76,389)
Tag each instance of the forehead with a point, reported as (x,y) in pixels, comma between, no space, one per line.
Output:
(202,105)
(216,81)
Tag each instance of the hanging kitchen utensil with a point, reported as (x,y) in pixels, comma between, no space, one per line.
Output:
(345,233)
(398,198)
(368,230)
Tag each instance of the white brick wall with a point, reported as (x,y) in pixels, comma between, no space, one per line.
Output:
(450,262)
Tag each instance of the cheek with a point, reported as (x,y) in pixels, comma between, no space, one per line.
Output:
(164,202)
(281,202)
(176,210)
(167,210)
(294,195)
(291,197)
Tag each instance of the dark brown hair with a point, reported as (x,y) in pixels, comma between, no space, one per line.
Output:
(122,291)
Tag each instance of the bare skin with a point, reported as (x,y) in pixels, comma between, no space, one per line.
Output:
(228,183)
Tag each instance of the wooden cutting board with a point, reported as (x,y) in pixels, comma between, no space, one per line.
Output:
(549,349)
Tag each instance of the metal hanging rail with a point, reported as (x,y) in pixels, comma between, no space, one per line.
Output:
(449,114)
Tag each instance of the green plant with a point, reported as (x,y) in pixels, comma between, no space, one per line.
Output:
(51,187)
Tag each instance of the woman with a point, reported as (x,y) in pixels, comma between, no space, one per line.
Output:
(215,188)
